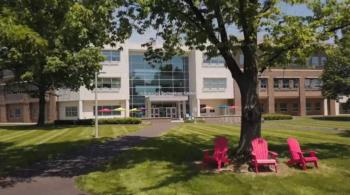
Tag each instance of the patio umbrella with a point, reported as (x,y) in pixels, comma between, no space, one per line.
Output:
(207,107)
(233,107)
(119,109)
(223,106)
(134,110)
(105,110)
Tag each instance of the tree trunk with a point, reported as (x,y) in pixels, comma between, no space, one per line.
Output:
(251,119)
(42,106)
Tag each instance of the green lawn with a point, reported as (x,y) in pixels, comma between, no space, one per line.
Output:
(165,165)
(21,146)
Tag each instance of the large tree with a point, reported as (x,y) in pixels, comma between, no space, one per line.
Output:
(336,75)
(259,29)
(54,44)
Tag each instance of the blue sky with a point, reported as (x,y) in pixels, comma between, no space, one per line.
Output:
(297,10)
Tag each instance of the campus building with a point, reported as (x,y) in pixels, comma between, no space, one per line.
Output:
(188,85)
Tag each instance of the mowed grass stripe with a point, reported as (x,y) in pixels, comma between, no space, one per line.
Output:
(18,135)
(36,139)
(53,136)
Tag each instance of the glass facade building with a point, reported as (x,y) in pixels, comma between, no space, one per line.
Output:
(168,78)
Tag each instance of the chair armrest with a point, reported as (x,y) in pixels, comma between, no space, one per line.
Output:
(273,154)
(311,152)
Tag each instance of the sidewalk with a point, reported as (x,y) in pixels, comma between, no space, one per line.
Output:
(56,177)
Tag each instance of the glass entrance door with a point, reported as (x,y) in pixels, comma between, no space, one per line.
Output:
(170,112)
(155,112)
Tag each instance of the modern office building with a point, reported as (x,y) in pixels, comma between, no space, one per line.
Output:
(188,85)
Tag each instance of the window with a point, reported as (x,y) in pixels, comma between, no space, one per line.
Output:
(110,83)
(214,83)
(213,61)
(315,61)
(263,83)
(212,110)
(283,107)
(111,55)
(295,107)
(111,108)
(202,108)
(323,61)
(286,83)
(317,106)
(313,83)
(241,59)
(17,113)
(308,106)
(71,111)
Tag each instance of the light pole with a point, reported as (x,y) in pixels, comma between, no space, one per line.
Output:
(96,105)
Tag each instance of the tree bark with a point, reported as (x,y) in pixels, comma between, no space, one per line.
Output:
(42,106)
(251,119)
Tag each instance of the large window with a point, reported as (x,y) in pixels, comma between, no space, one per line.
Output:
(111,55)
(112,111)
(214,83)
(163,78)
(214,61)
(286,83)
(71,111)
(108,83)
(283,107)
(263,83)
(313,84)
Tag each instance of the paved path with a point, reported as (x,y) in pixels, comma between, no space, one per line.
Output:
(56,177)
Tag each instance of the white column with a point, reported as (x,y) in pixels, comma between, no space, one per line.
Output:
(126,112)
(80,109)
(325,107)
(337,108)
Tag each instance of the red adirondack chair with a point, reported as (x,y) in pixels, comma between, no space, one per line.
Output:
(261,154)
(297,155)
(220,153)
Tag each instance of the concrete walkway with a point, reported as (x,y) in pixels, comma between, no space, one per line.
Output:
(56,177)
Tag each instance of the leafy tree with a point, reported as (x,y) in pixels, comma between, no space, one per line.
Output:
(54,44)
(336,75)
(212,26)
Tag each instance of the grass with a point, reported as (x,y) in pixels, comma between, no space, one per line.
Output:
(165,165)
(24,145)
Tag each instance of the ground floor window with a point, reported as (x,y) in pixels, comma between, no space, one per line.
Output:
(283,107)
(295,107)
(202,108)
(110,110)
(317,106)
(71,111)
(308,106)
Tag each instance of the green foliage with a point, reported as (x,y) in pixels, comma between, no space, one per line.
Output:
(56,44)
(333,118)
(277,117)
(336,75)
(75,122)
(129,120)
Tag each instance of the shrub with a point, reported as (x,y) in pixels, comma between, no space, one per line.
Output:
(74,122)
(277,117)
(129,120)
(333,118)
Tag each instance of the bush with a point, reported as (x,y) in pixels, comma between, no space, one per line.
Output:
(75,122)
(129,120)
(277,117)
(192,121)
(333,118)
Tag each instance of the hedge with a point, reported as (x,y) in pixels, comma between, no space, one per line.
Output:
(129,120)
(333,118)
(277,117)
(100,121)
(75,122)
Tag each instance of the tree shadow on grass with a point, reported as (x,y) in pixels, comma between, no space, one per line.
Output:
(44,128)
(345,133)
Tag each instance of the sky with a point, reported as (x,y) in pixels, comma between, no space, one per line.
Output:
(297,10)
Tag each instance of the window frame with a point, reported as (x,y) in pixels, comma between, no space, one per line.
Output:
(70,112)
(108,54)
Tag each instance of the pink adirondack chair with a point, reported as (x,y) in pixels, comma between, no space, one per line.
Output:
(220,153)
(297,155)
(261,154)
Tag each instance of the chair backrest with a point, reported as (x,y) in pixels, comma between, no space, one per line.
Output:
(220,143)
(260,148)
(294,148)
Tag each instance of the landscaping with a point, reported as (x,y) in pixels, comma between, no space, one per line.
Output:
(21,146)
(169,164)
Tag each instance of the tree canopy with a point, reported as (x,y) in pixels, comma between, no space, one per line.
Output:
(56,44)
(336,75)
(265,35)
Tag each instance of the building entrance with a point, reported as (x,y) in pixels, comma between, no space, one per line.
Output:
(164,111)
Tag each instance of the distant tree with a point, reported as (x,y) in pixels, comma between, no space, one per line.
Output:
(336,75)
(222,27)
(54,44)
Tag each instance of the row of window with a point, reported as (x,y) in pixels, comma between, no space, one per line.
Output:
(283,107)
(291,83)
(214,83)
(72,111)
